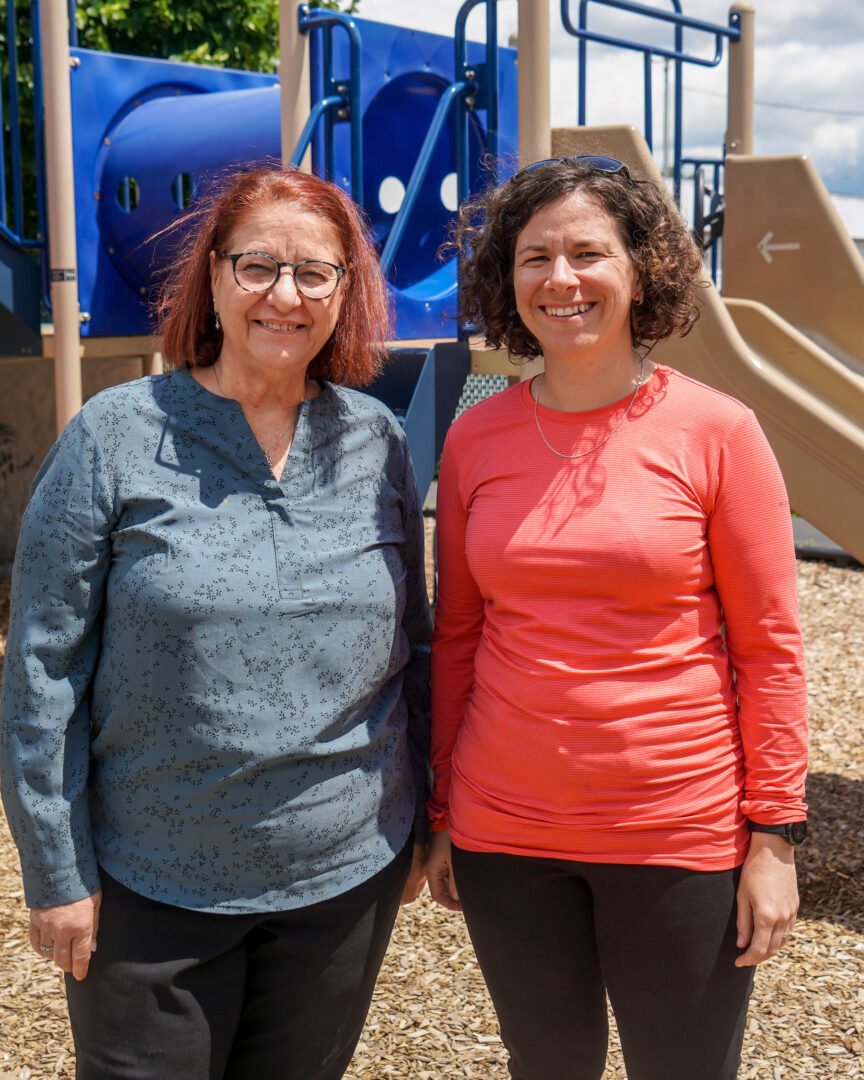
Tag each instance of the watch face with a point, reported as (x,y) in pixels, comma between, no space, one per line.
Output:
(797,831)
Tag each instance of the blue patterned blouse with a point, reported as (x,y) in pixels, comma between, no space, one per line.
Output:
(216,683)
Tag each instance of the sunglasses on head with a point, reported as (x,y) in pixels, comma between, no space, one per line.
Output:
(602,164)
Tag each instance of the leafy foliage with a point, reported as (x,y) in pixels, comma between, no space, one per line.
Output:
(226,33)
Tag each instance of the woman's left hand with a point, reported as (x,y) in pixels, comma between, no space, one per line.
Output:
(767,898)
(416,876)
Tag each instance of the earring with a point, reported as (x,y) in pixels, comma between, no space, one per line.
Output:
(218,320)
(636,300)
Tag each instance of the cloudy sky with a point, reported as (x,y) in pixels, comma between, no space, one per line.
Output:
(809,74)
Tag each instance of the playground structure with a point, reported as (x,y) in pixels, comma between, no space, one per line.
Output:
(129,142)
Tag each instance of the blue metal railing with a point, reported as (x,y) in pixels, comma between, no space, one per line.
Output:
(477,87)
(707,226)
(20,203)
(485,78)
(73,25)
(676,18)
(341,99)
(11,170)
(421,168)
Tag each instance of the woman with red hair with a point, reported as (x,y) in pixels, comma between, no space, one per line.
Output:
(215,722)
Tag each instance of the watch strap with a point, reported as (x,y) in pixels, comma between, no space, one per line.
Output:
(793,832)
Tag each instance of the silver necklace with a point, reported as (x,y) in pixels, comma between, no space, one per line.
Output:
(605,439)
(292,423)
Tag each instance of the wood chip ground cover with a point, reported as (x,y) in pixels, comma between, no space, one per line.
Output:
(431,1018)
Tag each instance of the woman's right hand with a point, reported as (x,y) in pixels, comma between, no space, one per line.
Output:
(68,933)
(439,872)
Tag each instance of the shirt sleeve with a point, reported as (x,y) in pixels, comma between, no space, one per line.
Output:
(417,624)
(459,614)
(752,550)
(58,585)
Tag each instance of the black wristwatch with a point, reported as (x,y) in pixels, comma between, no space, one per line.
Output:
(793,832)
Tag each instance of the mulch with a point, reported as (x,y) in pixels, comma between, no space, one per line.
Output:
(431,1018)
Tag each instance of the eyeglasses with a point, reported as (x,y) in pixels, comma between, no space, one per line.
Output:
(256,272)
(602,164)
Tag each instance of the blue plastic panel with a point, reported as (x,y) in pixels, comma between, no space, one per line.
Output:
(404,74)
(145,131)
(108,93)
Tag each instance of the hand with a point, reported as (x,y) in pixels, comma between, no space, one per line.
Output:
(416,876)
(767,898)
(440,872)
(70,930)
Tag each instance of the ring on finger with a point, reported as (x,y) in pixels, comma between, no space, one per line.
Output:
(46,948)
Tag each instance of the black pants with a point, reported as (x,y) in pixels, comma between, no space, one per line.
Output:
(553,937)
(174,994)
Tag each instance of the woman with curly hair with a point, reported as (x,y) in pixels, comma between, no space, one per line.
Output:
(215,729)
(619,707)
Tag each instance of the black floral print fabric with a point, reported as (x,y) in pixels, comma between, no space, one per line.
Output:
(216,683)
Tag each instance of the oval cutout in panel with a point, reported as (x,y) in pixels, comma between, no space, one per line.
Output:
(391,194)
(128,194)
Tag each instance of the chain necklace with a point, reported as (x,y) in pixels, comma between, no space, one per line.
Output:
(292,424)
(585,453)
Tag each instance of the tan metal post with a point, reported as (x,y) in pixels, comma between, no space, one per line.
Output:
(294,80)
(62,254)
(739,130)
(535,129)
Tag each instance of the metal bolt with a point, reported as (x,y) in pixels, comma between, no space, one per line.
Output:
(470,102)
(84,316)
(107,141)
(74,61)
(342,114)
(428,306)
(110,251)
(470,73)
(342,89)
(96,195)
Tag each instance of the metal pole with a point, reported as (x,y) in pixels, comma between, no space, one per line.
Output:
(667,122)
(535,129)
(739,130)
(63,273)
(293,79)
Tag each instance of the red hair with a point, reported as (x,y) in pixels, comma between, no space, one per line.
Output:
(354,353)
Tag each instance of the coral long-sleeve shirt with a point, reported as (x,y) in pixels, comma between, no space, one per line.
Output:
(586,703)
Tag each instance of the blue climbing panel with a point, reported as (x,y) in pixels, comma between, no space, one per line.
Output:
(151,134)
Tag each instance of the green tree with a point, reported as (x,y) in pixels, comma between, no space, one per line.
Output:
(227,33)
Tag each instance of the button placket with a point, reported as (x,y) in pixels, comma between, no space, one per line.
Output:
(279,497)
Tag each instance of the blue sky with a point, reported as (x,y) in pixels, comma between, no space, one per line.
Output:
(809,75)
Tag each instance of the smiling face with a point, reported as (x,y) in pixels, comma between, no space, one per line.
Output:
(574,282)
(277,332)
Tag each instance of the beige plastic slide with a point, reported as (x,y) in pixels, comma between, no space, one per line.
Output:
(784,244)
(809,401)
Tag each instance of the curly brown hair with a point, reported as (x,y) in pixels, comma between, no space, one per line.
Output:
(662,251)
(354,353)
